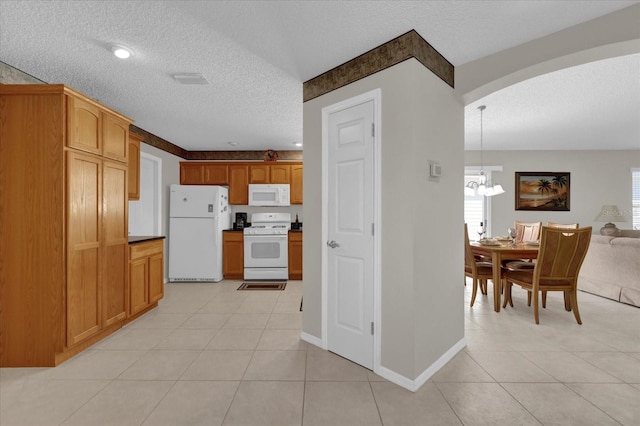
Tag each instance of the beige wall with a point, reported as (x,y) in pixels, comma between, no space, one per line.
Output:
(421,226)
(597,178)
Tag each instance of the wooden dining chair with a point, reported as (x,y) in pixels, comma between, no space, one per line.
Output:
(561,254)
(527,231)
(479,272)
(519,264)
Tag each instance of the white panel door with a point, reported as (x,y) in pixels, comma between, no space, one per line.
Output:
(350,234)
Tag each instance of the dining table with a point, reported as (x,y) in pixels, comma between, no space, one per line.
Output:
(499,251)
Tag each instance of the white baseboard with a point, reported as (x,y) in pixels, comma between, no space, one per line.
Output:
(414,385)
(312,339)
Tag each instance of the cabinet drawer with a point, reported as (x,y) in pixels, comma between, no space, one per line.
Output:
(145,249)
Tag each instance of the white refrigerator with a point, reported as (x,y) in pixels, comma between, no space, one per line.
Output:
(197,216)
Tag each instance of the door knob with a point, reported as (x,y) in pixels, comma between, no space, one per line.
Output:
(333,244)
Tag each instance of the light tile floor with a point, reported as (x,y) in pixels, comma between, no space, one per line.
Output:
(211,355)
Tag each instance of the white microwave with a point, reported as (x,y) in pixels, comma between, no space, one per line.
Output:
(269,195)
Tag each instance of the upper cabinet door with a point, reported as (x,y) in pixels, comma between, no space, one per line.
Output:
(115,138)
(296,184)
(238,185)
(191,173)
(259,173)
(134,166)
(216,174)
(280,173)
(83,125)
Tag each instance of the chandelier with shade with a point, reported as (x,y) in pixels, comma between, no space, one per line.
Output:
(482,186)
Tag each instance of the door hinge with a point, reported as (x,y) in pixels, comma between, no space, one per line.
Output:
(373,129)
(372,328)
(373,230)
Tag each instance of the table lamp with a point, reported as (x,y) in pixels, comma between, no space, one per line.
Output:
(609,214)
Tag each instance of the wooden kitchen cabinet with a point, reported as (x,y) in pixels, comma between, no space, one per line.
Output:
(295,255)
(296,184)
(96,130)
(238,175)
(233,255)
(134,166)
(115,137)
(239,184)
(83,241)
(259,173)
(216,174)
(64,162)
(203,173)
(146,276)
(279,173)
(191,174)
(115,241)
(269,173)
(83,125)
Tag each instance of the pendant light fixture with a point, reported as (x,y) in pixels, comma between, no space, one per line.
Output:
(482,186)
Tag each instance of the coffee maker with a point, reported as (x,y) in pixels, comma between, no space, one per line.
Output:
(241,221)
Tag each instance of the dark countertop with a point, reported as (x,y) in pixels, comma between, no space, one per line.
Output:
(141,239)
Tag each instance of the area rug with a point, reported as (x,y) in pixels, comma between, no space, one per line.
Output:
(263,285)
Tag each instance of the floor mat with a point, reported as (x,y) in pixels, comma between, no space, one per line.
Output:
(263,285)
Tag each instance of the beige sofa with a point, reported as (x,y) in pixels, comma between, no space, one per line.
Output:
(611,267)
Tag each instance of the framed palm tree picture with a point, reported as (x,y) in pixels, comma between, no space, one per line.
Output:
(548,191)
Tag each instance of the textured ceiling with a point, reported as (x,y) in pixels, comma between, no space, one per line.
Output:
(256,54)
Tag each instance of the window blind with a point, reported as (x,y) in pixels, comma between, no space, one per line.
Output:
(473,210)
(635,197)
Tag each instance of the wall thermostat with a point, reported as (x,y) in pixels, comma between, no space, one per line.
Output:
(435,170)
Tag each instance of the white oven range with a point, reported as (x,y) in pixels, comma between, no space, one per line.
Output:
(266,250)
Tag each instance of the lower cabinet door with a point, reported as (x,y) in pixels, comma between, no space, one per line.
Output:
(138,277)
(115,238)
(84,178)
(156,277)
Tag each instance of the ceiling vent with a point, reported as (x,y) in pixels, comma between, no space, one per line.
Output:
(190,78)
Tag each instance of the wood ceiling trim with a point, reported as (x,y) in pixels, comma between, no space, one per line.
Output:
(406,46)
(158,142)
(241,155)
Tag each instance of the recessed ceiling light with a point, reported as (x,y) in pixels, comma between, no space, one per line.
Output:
(121,51)
(297,143)
(232,143)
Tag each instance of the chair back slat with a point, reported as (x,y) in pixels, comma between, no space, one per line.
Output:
(527,231)
(469,260)
(562,252)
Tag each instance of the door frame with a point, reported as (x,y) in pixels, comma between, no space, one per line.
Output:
(157,188)
(375,96)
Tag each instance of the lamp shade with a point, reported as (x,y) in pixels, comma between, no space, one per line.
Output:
(497,189)
(610,213)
